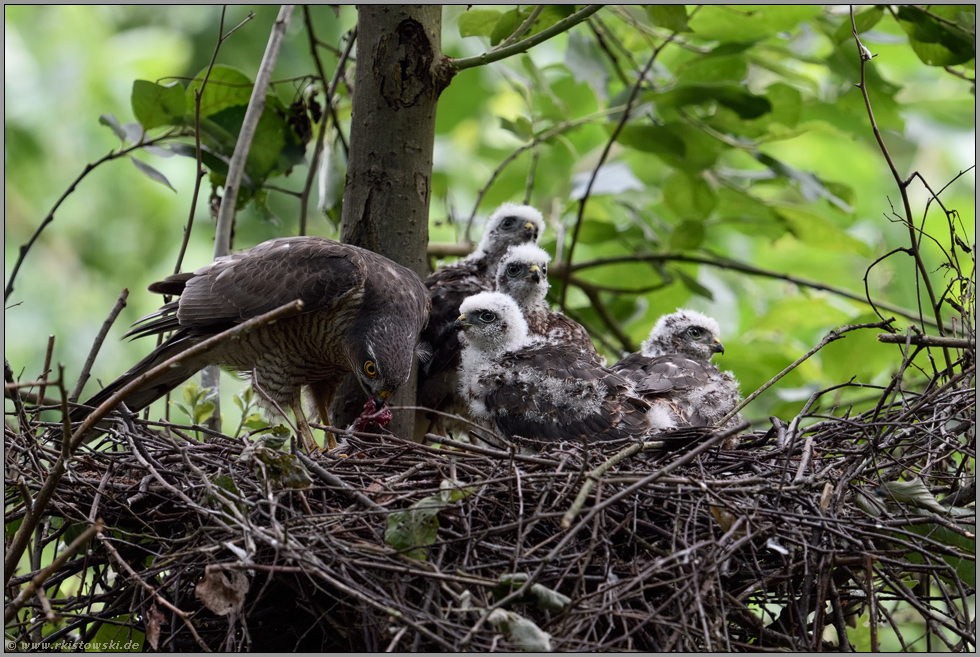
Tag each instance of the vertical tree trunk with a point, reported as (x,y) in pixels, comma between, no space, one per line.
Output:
(399,75)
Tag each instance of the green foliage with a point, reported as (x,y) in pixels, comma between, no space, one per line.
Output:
(196,405)
(278,469)
(416,528)
(524,632)
(252,420)
(941,35)
(537,595)
(156,105)
(748,142)
(119,636)
(671,17)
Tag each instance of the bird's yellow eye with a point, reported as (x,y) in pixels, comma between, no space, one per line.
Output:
(370,369)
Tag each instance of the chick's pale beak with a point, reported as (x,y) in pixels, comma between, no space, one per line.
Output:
(534,273)
(460,323)
(717,347)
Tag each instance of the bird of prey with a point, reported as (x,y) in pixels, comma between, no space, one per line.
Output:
(508,226)
(534,390)
(362,313)
(523,275)
(674,373)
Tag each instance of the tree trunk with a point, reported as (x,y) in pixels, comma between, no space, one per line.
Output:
(399,75)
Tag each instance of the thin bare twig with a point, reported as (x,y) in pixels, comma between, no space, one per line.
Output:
(89,168)
(834,335)
(19,543)
(526,44)
(97,344)
(734,265)
(865,56)
(198,92)
(256,104)
(211,375)
(38,580)
(928,341)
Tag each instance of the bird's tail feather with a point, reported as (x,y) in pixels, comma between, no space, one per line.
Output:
(149,392)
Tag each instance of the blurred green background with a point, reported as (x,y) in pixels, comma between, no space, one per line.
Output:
(752,143)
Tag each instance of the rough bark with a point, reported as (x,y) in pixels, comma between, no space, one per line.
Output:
(400,73)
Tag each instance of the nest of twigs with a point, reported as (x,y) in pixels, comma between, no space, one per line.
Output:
(780,543)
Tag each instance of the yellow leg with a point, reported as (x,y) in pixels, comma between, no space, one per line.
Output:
(305,432)
(321,408)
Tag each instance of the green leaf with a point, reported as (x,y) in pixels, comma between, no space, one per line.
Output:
(550,15)
(226,87)
(692,284)
(671,17)
(863,21)
(690,197)
(525,633)
(203,411)
(10,528)
(651,139)
(478,22)
(118,635)
(802,313)
(748,214)
(938,43)
(786,102)
(701,150)
(586,63)
(190,393)
(220,501)
(811,187)
(537,594)
(155,104)
(597,232)
(254,422)
(689,234)
(133,132)
(913,492)
(713,70)
(521,127)
(281,469)
(815,231)
(274,441)
(750,22)
(415,529)
(333,177)
(113,123)
(747,105)
(964,542)
(508,22)
(152,173)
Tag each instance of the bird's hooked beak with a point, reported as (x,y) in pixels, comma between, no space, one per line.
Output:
(534,273)
(380,399)
(530,229)
(717,347)
(460,323)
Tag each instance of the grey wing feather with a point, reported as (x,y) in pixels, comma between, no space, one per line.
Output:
(563,396)
(244,285)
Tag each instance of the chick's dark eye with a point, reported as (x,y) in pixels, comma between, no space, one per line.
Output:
(508,222)
(694,332)
(513,270)
(487,316)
